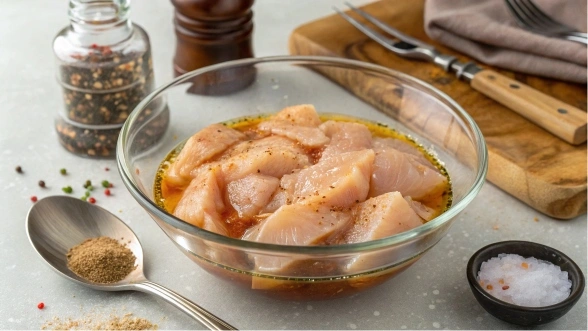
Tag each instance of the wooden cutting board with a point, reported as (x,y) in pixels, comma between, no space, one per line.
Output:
(524,160)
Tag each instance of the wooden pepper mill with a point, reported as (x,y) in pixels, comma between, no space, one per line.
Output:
(210,32)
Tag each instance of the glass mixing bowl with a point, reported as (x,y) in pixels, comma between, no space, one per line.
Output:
(265,85)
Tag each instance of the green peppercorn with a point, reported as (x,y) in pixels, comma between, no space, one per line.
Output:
(63,171)
(67,189)
(88,183)
(105,184)
(87,194)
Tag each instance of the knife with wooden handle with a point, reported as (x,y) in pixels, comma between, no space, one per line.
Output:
(555,116)
(562,120)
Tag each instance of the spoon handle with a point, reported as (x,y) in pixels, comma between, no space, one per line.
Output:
(195,311)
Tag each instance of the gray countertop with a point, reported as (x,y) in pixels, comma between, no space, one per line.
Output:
(433,294)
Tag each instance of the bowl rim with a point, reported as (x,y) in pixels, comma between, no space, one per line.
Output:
(152,208)
(575,293)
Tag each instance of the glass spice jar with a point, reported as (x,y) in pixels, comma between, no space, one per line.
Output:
(105,69)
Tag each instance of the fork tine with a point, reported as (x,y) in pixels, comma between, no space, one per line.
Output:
(542,17)
(378,37)
(532,18)
(521,15)
(514,10)
(407,39)
(556,25)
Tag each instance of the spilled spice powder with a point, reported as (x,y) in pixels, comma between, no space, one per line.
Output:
(101,260)
(126,322)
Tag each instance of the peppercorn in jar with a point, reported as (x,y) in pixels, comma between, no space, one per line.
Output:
(105,69)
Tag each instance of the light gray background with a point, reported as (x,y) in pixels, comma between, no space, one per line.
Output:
(433,294)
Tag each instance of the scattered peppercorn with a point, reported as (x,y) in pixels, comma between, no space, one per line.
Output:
(63,171)
(107,192)
(505,287)
(87,194)
(87,184)
(90,188)
(41,305)
(105,184)
(34,198)
(107,169)
(42,183)
(84,198)
(91,200)
(67,189)
(19,169)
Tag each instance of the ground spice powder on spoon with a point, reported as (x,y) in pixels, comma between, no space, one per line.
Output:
(101,260)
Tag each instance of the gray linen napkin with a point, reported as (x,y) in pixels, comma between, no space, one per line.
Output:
(486,31)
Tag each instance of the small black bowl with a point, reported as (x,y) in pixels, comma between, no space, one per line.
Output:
(526,316)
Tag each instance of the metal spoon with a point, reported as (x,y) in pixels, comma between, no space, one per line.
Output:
(57,223)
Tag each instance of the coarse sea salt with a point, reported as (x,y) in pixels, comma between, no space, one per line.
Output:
(528,282)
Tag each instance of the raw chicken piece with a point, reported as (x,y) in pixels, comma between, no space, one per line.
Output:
(201,147)
(398,171)
(345,137)
(297,224)
(380,144)
(271,156)
(339,181)
(251,193)
(426,213)
(279,199)
(309,137)
(299,123)
(381,217)
(202,202)
(377,218)
(259,143)
(304,115)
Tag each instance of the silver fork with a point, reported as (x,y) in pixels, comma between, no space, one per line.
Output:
(563,120)
(532,18)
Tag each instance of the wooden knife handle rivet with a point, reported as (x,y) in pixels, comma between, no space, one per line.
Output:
(559,118)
